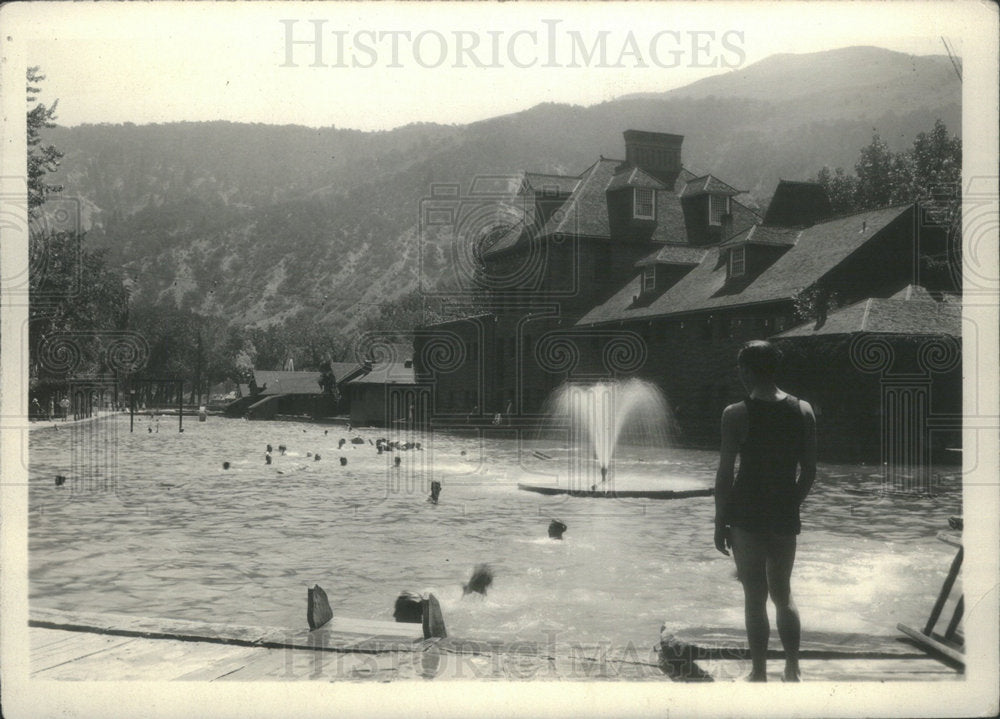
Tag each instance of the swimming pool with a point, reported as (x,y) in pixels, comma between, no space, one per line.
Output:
(150,524)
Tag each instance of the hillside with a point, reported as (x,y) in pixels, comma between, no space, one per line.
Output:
(255,222)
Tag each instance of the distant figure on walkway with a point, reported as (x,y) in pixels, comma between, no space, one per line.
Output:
(757,515)
(435,492)
(480,581)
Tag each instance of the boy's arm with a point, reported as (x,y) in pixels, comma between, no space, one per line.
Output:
(807,460)
(724,476)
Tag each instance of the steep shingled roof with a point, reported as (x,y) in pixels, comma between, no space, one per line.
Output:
(550,184)
(585,211)
(285,382)
(886,316)
(388,373)
(762,235)
(819,249)
(708,184)
(674,255)
(632,176)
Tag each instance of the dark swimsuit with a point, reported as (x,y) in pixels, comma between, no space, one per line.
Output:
(764,497)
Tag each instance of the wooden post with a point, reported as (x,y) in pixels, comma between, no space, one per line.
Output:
(433,620)
(318,610)
(945,591)
(180,405)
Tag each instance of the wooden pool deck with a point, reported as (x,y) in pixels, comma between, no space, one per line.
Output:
(89,647)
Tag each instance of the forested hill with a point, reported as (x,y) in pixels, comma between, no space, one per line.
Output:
(256,222)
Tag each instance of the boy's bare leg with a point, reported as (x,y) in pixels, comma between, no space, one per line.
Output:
(749,551)
(780,559)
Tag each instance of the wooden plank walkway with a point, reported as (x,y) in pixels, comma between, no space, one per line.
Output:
(92,647)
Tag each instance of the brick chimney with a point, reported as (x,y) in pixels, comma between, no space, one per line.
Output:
(657,153)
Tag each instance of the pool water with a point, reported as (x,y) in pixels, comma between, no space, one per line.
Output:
(150,524)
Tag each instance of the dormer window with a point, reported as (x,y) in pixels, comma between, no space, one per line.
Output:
(737,261)
(649,278)
(644,203)
(718,205)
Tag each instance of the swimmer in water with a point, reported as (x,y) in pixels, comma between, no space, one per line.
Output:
(480,581)
(556,529)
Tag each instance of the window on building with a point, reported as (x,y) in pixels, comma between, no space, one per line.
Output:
(644,207)
(737,261)
(649,278)
(718,205)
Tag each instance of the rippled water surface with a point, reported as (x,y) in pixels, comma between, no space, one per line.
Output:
(150,524)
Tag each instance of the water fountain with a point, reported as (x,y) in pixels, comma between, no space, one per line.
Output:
(600,418)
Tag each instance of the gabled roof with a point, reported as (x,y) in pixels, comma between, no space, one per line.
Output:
(285,382)
(708,184)
(507,239)
(819,249)
(674,255)
(762,235)
(549,184)
(913,292)
(387,373)
(585,212)
(797,203)
(886,316)
(632,176)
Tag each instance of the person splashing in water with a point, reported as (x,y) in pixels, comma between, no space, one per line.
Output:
(480,581)
(757,514)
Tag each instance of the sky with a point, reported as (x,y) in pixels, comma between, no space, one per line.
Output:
(377,66)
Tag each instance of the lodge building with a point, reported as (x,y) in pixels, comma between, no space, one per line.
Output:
(638,267)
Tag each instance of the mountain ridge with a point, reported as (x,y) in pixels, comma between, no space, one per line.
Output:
(258,222)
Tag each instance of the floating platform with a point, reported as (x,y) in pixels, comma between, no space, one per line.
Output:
(96,647)
(618,493)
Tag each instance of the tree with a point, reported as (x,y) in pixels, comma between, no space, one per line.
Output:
(874,170)
(930,172)
(77,302)
(840,187)
(42,159)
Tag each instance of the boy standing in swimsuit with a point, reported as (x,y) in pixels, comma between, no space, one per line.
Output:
(757,515)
